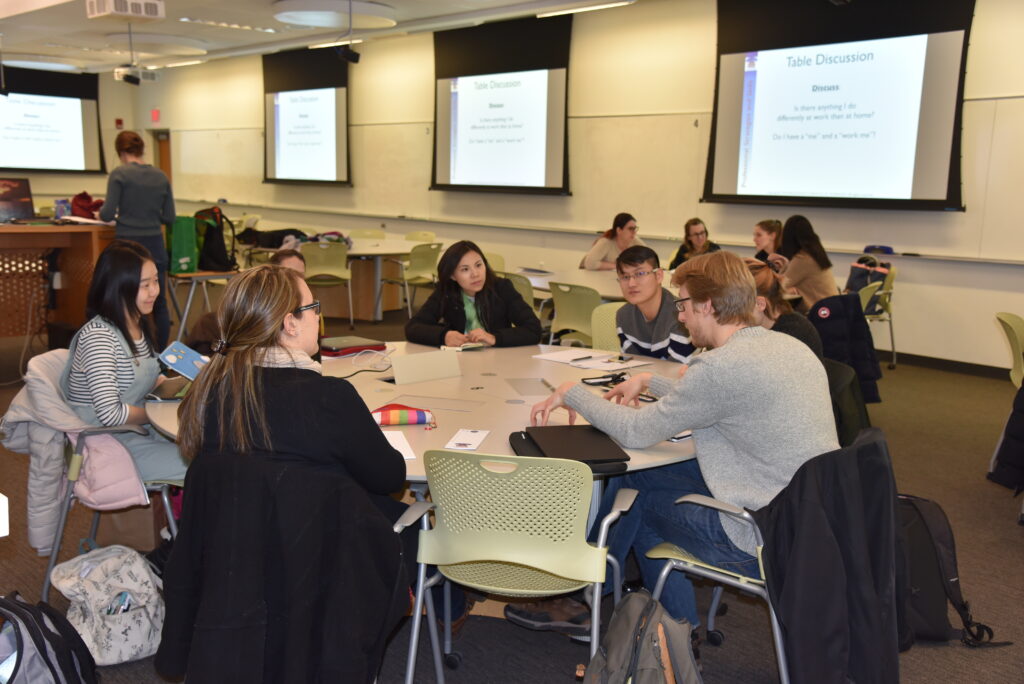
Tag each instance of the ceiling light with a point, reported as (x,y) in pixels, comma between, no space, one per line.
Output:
(43,62)
(221,24)
(353,41)
(585,8)
(181,64)
(334,14)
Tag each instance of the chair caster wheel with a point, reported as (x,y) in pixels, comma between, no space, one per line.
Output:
(453,660)
(723,608)
(715,637)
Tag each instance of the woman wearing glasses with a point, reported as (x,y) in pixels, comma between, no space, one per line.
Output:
(621,236)
(470,304)
(803,264)
(695,244)
(285,567)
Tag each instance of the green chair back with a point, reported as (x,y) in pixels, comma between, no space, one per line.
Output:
(326,263)
(602,325)
(885,294)
(574,305)
(1013,326)
(421,236)
(371,233)
(422,264)
(511,525)
(495,261)
(866,293)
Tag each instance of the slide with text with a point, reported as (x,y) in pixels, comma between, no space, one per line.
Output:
(41,132)
(305,135)
(837,120)
(499,129)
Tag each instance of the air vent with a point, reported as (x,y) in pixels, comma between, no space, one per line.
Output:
(125,10)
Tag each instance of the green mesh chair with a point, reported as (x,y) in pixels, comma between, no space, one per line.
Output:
(602,325)
(866,293)
(885,310)
(327,266)
(512,526)
(421,236)
(574,305)
(1013,326)
(495,261)
(419,270)
(371,233)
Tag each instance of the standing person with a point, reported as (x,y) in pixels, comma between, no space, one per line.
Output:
(695,243)
(803,264)
(471,304)
(604,251)
(773,312)
(139,199)
(112,364)
(647,324)
(767,238)
(759,407)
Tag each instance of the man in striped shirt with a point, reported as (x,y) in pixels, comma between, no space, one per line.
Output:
(648,324)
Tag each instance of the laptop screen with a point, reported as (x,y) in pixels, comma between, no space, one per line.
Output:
(15,199)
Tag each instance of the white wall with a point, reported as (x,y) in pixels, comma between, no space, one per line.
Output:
(641,84)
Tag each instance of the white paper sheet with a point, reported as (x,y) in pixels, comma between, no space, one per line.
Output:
(397,440)
(467,440)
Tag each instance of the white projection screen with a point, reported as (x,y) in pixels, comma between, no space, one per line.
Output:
(307,135)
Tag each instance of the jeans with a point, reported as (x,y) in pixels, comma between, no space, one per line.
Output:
(655,518)
(161,316)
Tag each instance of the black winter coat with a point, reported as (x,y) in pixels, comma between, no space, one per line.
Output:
(501,309)
(846,337)
(284,569)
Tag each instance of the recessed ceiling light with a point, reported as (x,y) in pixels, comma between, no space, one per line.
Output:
(43,62)
(335,44)
(221,24)
(334,14)
(584,8)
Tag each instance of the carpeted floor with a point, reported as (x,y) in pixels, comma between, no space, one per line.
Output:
(941,428)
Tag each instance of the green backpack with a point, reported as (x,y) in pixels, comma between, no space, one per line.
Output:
(182,246)
(642,645)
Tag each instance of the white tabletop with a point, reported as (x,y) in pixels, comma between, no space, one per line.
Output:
(370,247)
(481,398)
(602,281)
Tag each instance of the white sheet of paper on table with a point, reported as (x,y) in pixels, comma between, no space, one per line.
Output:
(467,440)
(397,440)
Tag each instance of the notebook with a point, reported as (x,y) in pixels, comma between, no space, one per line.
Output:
(577,442)
(349,344)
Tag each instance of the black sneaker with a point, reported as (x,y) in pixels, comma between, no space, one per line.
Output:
(157,558)
(563,614)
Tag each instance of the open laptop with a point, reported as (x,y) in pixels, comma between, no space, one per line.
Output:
(434,365)
(16,200)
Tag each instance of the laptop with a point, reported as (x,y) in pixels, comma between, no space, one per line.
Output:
(15,200)
(434,365)
(576,442)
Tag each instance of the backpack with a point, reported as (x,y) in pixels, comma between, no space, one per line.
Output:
(641,643)
(182,246)
(38,644)
(214,254)
(866,270)
(930,579)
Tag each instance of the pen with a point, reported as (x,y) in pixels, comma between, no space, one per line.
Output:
(548,384)
(582,358)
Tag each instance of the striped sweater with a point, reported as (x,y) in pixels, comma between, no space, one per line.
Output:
(101,371)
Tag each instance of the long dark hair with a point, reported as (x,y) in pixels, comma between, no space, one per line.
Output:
(446,270)
(618,222)
(114,290)
(798,235)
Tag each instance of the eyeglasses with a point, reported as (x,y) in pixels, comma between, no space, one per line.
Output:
(702,233)
(626,277)
(634,228)
(315,305)
(680,303)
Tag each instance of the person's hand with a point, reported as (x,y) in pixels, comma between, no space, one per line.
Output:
(682,371)
(778,263)
(544,408)
(628,392)
(481,335)
(160,379)
(453,338)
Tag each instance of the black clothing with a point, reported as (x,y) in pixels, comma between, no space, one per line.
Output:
(829,554)
(847,403)
(762,255)
(682,254)
(798,326)
(846,337)
(1008,467)
(285,568)
(501,310)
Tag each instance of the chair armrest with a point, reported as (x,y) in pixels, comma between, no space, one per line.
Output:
(111,430)
(412,514)
(623,501)
(730,510)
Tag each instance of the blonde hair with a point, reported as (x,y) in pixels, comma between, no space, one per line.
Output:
(769,286)
(251,317)
(723,279)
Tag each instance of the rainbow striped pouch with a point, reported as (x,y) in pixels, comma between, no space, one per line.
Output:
(397,414)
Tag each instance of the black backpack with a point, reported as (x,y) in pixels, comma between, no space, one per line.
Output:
(215,255)
(48,648)
(927,577)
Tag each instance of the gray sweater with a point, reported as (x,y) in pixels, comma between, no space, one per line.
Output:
(759,407)
(139,196)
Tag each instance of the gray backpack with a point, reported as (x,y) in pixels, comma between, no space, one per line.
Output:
(39,645)
(644,645)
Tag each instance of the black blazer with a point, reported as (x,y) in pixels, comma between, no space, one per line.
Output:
(502,312)
(682,254)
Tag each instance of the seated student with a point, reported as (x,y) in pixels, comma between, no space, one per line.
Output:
(612,242)
(647,324)
(285,567)
(759,407)
(767,238)
(112,364)
(471,304)
(772,311)
(206,331)
(802,262)
(695,243)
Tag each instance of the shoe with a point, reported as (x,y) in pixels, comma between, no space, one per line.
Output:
(459,621)
(695,642)
(564,614)
(157,558)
